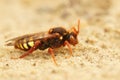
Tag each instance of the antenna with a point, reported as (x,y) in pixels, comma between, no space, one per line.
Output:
(78,26)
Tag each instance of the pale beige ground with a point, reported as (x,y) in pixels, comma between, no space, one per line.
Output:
(96,57)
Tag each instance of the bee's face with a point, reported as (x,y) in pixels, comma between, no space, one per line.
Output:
(73,39)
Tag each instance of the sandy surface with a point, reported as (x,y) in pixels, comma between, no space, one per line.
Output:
(96,57)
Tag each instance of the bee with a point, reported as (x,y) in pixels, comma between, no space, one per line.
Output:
(54,38)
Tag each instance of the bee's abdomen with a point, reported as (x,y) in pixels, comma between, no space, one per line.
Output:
(24,45)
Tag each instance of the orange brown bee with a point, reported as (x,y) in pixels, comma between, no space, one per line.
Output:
(54,38)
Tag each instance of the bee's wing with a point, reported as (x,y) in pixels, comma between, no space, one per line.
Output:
(30,37)
(24,36)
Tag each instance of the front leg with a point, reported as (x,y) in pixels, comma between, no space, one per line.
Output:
(69,47)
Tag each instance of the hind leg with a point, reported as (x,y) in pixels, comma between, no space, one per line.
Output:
(30,50)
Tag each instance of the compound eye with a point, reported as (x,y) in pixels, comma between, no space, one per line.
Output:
(51,30)
(61,38)
(72,38)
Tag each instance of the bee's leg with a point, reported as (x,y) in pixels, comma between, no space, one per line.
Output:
(50,50)
(69,47)
(31,49)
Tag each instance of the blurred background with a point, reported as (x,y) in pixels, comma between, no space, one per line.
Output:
(38,14)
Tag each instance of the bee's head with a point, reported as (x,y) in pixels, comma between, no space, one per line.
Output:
(73,38)
(73,35)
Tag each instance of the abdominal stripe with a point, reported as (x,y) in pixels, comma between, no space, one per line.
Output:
(28,44)
(24,45)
